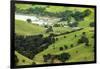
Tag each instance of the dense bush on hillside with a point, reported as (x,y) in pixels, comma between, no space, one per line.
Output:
(61,57)
(87,12)
(78,16)
(56,25)
(31,45)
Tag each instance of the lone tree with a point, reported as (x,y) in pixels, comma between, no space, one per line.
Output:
(61,48)
(65,46)
(64,56)
(29,20)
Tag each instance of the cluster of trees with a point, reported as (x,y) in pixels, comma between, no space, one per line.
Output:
(61,57)
(29,46)
(65,15)
(84,39)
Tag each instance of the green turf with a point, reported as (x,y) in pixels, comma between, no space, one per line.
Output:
(24,28)
(21,58)
(84,53)
(70,39)
(23,6)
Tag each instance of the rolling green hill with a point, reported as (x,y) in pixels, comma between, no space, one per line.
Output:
(23,6)
(78,52)
(87,20)
(84,53)
(24,28)
(21,58)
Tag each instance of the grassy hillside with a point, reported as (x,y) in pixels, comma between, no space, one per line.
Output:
(87,20)
(62,9)
(24,28)
(84,53)
(23,6)
(78,52)
(21,58)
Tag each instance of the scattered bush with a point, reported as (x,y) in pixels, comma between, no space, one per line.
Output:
(65,46)
(56,25)
(92,36)
(23,60)
(33,63)
(83,39)
(57,39)
(87,12)
(71,45)
(47,57)
(64,36)
(63,57)
(75,35)
(92,24)
(83,33)
(61,48)
(29,20)
(76,51)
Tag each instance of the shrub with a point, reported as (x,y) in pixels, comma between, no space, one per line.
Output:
(87,12)
(33,63)
(75,35)
(29,20)
(71,45)
(83,39)
(83,33)
(76,51)
(92,36)
(61,48)
(56,25)
(46,57)
(92,24)
(23,60)
(66,47)
(46,26)
(56,39)
(63,57)
(87,44)
(64,36)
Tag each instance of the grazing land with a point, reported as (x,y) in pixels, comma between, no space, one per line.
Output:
(58,34)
